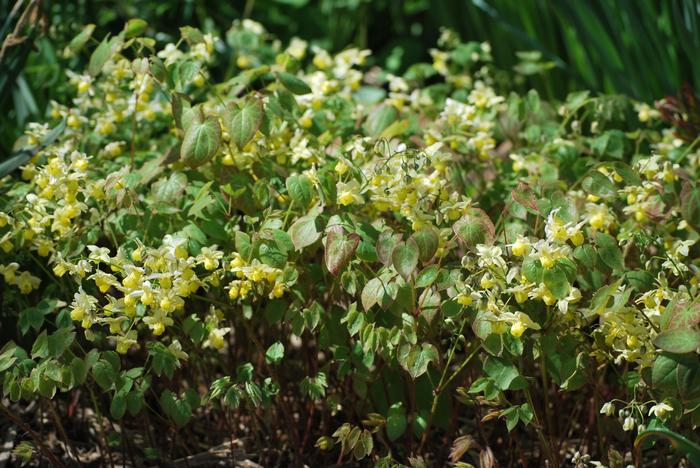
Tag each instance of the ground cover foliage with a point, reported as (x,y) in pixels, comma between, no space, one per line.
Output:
(319,262)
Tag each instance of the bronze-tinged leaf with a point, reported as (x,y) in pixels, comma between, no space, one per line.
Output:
(525,196)
(339,249)
(474,228)
(385,245)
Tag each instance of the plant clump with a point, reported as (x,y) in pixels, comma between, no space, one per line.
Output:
(324,261)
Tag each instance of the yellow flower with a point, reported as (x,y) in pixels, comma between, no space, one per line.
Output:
(486,282)
(278,290)
(597,221)
(341,168)
(233,291)
(577,238)
(83,86)
(517,329)
(521,246)
(73,121)
(137,254)
(158,328)
(547,261)
(242,61)
(464,299)
(26,282)
(77,314)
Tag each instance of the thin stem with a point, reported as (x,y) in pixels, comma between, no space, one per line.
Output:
(444,383)
(37,439)
(62,431)
(546,447)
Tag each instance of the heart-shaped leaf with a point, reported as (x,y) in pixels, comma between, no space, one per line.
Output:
(599,185)
(474,228)
(416,358)
(372,293)
(680,340)
(244,121)
(405,258)
(202,140)
(427,241)
(339,249)
(300,189)
(385,245)
(303,232)
(396,421)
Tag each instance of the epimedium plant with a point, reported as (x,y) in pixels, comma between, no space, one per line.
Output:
(308,252)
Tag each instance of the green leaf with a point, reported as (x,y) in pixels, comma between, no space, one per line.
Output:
(134,27)
(501,372)
(182,110)
(274,353)
(532,269)
(79,370)
(678,442)
(339,249)
(405,258)
(609,251)
(243,245)
(104,374)
(300,189)
(599,185)
(555,280)
(293,83)
(78,42)
(416,358)
(680,314)
(118,406)
(134,402)
(372,293)
(526,414)
(192,35)
(427,241)
(60,340)
(474,228)
(385,245)
(243,122)
(202,141)
(629,175)
(7,357)
(524,195)
(158,71)
(102,54)
(690,204)
(669,374)
(178,410)
(364,445)
(40,348)
(303,232)
(169,190)
(396,421)
(202,200)
(680,340)
(512,418)
(427,276)
(34,316)
(380,119)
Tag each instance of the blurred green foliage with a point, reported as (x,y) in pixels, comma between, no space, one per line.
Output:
(643,48)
